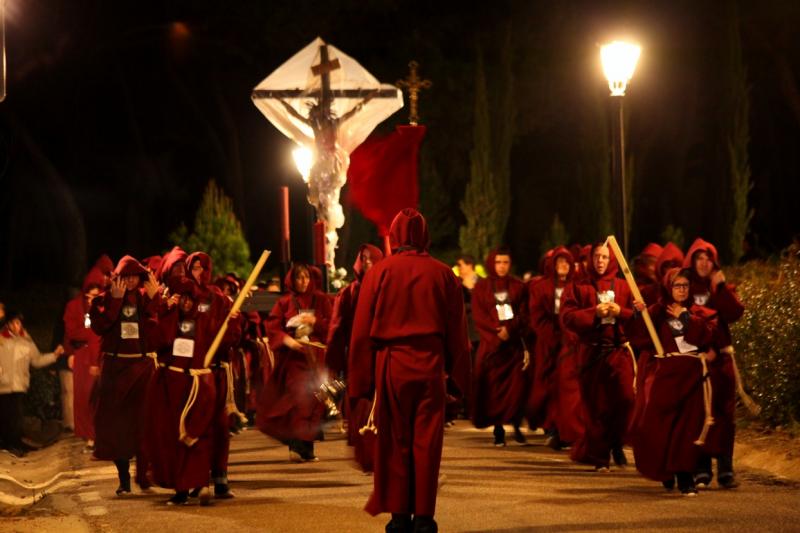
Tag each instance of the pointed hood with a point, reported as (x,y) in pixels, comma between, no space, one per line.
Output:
(104,264)
(129,266)
(95,278)
(671,256)
(153,263)
(554,254)
(489,265)
(409,230)
(699,245)
(611,270)
(288,280)
(375,253)
(176,255)
(205,260)
(653,250)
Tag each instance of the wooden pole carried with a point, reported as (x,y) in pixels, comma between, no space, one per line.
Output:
(637,296)
(251,280)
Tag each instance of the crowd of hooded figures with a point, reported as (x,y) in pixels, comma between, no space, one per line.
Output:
(418,346)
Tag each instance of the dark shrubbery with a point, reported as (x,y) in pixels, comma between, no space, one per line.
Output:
(767,338)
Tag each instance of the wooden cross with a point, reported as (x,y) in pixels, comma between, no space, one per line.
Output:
(325,95)
(414,85)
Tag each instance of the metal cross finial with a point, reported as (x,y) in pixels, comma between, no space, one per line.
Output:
(414,84)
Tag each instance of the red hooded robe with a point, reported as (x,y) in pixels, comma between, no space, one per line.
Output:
(288,408)
(606,364)
(409,332)
(500,386)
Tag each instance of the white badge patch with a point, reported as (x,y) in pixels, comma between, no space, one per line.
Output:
(504,309)
(675,324)
(87,322)
(683,346)
(557,306)
(129,330)
(183,347)
(606,297)
(701,299)
(203,307)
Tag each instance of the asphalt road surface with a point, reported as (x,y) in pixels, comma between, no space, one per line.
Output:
(483,489)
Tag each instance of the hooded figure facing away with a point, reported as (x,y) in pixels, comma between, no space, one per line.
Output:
(409,333)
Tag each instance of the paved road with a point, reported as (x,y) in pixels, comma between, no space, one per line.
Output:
(514,489)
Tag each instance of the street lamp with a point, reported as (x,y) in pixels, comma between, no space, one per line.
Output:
(619,61)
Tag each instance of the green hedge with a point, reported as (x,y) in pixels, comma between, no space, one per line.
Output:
(767,337)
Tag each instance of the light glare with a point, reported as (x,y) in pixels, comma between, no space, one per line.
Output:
(619,61)
(303,160)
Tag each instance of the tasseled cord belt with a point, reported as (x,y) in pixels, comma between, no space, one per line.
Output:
(195,373)
(708,421)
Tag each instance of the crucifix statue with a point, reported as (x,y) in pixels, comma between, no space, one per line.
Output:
(332,104)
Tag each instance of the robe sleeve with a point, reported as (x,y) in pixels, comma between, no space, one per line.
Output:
(361,358)
(727,303)
(75,329)
(484,317)
(339,330)
(538,312)
(579,320)
(457,357)
(274,325)
(323,314)
(104,313)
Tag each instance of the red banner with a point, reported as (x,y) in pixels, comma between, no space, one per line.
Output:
(383,175)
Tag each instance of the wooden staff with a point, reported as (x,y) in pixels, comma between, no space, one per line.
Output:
(637,296)
(236,305)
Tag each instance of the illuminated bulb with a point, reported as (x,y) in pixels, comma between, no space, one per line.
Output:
(619,61)
(303,160)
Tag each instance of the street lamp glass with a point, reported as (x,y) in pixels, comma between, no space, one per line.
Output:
(619,61)
(303,160)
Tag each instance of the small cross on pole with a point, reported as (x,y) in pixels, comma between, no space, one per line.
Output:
(414,85)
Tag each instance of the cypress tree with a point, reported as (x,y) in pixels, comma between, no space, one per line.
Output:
(217,232)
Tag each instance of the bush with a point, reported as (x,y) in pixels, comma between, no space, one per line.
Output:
(767,337)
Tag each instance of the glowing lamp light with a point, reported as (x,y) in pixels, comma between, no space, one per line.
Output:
(303,160)
(619,61)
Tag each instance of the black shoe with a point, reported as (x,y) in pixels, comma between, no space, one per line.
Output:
(222,491)
(194,493)
(17,452)
(399,524)
(618,454)
(702,480)
(180,498)
(425,524)
(124,486)
(726,480)
(669,484)
(686,484)
(519,438)
(499,436)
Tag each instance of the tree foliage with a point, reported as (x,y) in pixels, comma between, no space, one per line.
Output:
(217,232)
(557,236)
(738,141)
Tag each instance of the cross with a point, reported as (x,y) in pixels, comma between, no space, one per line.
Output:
(324,94)
(414,84)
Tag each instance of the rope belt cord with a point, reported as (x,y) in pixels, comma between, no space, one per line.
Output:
(370,425)
(708,421)
(195,373)
(230,402)
(748,402)
(151,355)
(627,345)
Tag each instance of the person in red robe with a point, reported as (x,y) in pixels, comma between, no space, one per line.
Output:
(670,257)
(544,307)
(501,377)
(289,409)
(124,317)
(644,266)
(210,296)
(409,334)
(670,412)
(596,309)
(336,356)
(182,396)
(83,348)
(710,289)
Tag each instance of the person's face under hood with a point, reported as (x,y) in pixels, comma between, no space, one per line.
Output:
(603,264)
(409,230)
(301,281)
(200,268)
(703,264)
(368,256)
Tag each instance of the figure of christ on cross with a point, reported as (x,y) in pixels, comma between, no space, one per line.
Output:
(329,171)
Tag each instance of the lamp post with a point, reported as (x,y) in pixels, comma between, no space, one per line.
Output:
(619,61)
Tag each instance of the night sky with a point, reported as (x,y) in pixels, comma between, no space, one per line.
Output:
(118,113)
